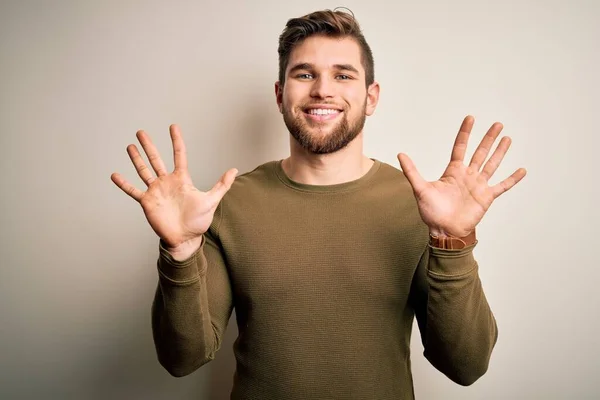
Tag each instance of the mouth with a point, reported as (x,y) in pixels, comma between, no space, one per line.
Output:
(321,114)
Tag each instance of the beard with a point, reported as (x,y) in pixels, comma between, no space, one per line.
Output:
(341,134)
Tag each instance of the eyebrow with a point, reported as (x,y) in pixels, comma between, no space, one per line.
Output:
(309,67)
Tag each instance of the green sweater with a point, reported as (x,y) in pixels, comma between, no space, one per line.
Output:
(326,282)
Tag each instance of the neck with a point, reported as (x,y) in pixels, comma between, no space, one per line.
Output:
(342,166)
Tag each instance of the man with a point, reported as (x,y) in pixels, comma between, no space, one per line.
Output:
(327,255)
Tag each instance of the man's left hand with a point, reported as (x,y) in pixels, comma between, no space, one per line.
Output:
(454,204)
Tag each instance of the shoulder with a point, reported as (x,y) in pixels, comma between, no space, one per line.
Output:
(390,172)
(257,179)
(392,178)
(392,190)
(248,190)
(252,186)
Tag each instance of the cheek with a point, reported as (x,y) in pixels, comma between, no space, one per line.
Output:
(290,97)
(355,97)
(292,90)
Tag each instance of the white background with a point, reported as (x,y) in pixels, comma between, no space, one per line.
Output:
(78,79)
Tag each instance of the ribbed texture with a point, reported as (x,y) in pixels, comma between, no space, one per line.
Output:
(326,281)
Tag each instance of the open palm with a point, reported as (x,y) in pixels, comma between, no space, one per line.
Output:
(174,208)
(456,203)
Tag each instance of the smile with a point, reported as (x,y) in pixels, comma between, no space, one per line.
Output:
(322,114)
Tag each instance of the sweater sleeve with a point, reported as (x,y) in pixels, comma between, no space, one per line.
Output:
(191,308)
(457,327)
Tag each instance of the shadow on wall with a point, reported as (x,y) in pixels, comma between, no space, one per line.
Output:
(118,360)
(125,365)
(222,368)
(245,143)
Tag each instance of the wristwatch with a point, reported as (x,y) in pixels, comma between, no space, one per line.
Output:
(452,242)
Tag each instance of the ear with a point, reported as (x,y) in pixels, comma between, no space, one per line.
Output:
(372,98)
(279,95)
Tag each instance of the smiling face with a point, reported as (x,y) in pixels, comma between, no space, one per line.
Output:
(324,100)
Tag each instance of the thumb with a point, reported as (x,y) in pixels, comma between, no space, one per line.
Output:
(223,185)
(408,167)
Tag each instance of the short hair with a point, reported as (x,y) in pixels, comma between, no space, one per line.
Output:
(336,24)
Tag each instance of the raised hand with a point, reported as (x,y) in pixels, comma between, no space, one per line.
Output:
(454,204)
(177,211)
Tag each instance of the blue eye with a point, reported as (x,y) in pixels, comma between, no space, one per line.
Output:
(305,76)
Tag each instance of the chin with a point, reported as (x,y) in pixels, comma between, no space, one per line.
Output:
(320,131)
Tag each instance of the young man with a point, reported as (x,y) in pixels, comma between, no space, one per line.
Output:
(328,255)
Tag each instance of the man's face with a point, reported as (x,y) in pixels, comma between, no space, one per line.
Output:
(324,100)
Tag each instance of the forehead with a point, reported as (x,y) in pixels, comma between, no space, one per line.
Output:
(325,52)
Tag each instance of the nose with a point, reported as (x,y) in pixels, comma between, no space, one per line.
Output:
(322,88)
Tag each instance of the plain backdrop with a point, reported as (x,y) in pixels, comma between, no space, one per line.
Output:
(78,259)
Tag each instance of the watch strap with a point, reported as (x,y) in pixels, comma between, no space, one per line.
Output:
(452,242)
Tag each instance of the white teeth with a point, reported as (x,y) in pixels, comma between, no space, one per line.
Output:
(322,111)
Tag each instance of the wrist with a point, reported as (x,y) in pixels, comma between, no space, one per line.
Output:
(436,232)
(184,250)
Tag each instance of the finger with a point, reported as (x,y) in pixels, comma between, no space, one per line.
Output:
(151,153)
(127,187)
(413,176)
(493,163)
(179,150)
(139,164)
(484,147)
(462,139)
(508,183)
(223,185)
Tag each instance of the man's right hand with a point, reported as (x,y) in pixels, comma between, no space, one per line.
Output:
(178,212)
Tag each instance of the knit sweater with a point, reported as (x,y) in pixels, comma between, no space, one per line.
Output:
(326,282)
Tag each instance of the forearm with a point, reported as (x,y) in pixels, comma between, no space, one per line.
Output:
(181,323)
(461,329)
